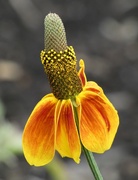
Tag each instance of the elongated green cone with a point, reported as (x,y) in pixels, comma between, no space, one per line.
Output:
(54,33)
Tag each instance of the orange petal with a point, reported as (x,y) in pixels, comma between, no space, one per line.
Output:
(39,133)
(93,87)
(98,120)
(67,142)
(81,73)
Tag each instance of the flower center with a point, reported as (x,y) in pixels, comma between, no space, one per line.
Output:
(61,70)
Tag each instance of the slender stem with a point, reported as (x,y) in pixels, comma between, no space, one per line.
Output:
(92,164)
(89,155)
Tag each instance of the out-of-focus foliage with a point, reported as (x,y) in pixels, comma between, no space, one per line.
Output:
(10,139)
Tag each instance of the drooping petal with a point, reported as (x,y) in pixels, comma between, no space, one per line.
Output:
(81,73)
(39,133)
(67,139)
(98,119)
(93,87)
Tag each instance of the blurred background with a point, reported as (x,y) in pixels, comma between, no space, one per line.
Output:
(105,34)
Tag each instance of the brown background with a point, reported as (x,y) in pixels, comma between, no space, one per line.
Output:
(105,34)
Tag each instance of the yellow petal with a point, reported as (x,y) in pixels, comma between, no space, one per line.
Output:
(81,73)
(39,134)
(98,119)
(67,139)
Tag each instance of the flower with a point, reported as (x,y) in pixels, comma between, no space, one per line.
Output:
(51,126)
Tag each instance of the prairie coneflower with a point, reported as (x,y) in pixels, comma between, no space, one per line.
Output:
(52,125)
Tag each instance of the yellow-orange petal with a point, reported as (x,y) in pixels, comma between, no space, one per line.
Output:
(81,73)
(93,87)
(39,134)
(67,139)
(98,120)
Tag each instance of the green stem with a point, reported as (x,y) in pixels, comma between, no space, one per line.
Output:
(92,164)
(89,155)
